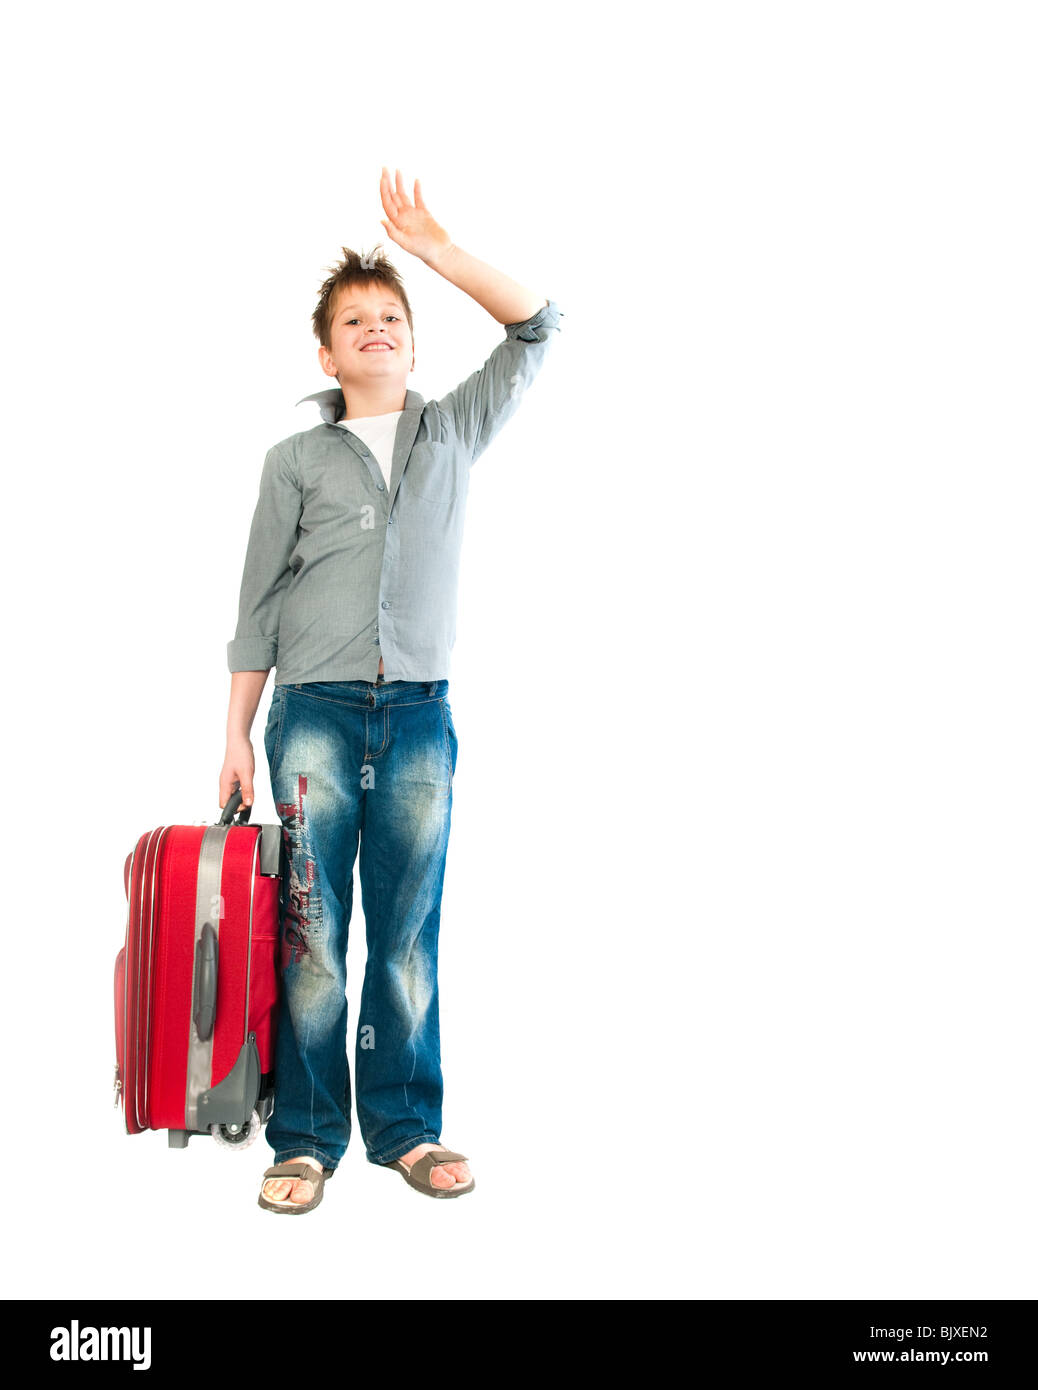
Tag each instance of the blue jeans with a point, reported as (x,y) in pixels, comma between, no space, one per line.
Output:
(374,763)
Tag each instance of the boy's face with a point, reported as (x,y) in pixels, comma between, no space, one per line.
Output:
(369,336)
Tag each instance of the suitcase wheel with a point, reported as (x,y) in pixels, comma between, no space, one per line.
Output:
(237,1136)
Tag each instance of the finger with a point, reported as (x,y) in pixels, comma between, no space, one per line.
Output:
(401,190)
(418,201)
(389,201)
(386,188)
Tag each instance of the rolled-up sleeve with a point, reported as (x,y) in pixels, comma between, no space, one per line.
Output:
(478,408)
(267,573)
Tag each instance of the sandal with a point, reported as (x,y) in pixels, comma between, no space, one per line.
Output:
(417,1176)
(295,1169)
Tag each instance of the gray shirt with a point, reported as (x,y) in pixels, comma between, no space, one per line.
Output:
(342,569)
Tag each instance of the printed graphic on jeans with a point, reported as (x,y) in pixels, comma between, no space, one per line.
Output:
(295,930)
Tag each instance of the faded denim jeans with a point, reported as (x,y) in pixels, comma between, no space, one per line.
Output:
(370,763)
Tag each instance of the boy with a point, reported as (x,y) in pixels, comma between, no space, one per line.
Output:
(349,589)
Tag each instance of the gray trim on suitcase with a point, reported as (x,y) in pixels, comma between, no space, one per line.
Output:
(234,1099)
(199,1052)
(270,850)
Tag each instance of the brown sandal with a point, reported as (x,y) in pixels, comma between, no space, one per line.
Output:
(417,1176)
(295,1169)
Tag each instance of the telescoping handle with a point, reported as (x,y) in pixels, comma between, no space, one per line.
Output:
(233,803)
(207,951)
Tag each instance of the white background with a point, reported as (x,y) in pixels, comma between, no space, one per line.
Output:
(737,955)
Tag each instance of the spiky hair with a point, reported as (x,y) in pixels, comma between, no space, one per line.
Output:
(356,270)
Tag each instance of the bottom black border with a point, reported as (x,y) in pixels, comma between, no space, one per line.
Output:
(813,1337)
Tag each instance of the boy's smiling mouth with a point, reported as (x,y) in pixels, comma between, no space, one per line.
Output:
(378,347)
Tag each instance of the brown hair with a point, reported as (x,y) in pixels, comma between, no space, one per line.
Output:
(360,271)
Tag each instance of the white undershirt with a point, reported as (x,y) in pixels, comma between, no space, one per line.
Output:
(379,434)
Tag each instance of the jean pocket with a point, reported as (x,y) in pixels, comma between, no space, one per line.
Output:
(272,733)
(450,736)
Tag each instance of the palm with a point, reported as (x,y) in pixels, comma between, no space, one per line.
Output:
(411,225)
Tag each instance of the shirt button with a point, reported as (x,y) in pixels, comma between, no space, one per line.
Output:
(385,605)
(381,487)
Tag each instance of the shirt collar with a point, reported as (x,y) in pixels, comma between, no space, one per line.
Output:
(332,403)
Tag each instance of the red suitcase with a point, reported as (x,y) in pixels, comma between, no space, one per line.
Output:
(196,982)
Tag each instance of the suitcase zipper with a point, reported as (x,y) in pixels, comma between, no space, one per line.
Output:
(117,1085)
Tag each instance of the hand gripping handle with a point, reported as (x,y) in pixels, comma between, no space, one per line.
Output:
(233,802)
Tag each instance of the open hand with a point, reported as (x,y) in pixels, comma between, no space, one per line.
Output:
(411,225)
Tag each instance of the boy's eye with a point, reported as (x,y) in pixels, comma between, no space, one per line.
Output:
(394,317)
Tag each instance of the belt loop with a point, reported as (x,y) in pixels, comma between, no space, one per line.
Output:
(432,689)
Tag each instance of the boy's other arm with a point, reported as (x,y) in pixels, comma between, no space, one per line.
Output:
(501,296)
(479,407)
(475,410)
(412,226)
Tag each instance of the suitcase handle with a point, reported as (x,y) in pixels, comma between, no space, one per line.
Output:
(233,803)
(206,957)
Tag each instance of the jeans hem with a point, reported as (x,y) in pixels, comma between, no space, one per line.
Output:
(289,1154)
(404,1146)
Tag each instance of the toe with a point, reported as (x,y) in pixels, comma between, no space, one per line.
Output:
(277,1189)
(450,1175)
(302,1191)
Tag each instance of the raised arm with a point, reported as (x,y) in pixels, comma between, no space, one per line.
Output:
(478,407)
(412,226)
